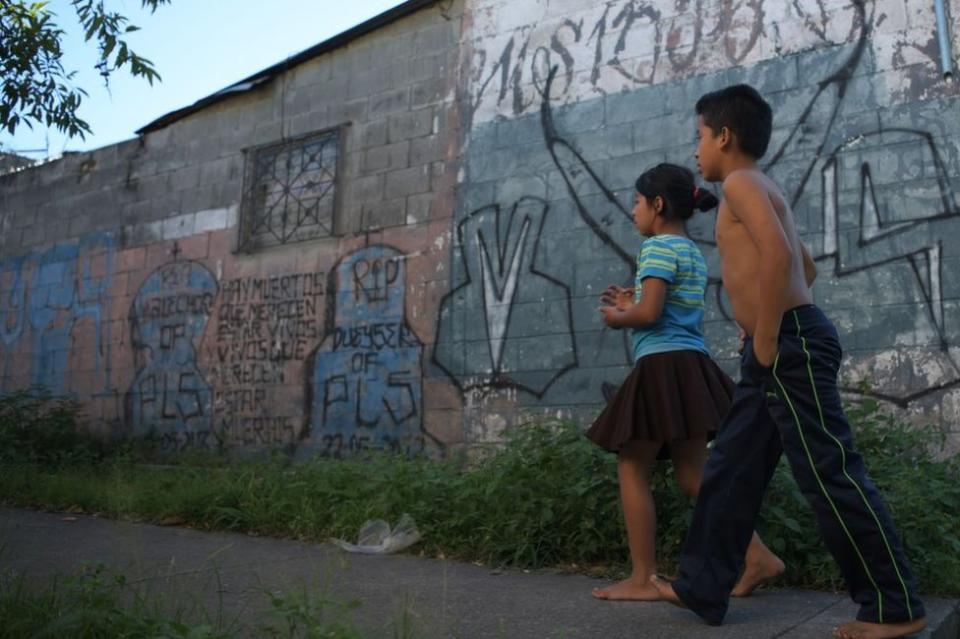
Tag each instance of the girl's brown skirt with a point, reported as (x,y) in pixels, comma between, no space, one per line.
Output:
(667,397)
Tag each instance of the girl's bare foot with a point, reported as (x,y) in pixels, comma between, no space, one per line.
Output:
(632,589)
(665,588)
(865,630)
(764,570)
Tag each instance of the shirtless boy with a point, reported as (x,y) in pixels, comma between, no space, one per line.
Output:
(787,400)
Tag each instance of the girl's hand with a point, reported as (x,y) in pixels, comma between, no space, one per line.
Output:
(612,316)
(743,340)
(617,296)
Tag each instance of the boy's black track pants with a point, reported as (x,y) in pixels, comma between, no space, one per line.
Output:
(794,407)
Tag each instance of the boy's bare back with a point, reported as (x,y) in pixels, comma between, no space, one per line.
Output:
(753,217)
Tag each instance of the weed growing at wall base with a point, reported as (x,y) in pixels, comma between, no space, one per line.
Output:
(548,497)
(36,427)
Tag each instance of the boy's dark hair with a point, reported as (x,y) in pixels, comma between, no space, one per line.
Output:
(675,184)
(741,109)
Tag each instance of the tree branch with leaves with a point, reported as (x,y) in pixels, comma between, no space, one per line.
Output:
(36,88)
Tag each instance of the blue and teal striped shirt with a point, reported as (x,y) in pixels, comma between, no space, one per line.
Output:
(677,261)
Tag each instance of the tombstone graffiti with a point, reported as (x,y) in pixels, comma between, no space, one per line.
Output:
(264,325)
(46,296)
(170,398)
(365,378)
(509,324)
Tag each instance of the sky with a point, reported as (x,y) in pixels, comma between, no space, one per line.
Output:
(197,46)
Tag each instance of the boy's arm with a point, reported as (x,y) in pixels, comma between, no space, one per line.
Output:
(809,267)
(750,204)
(643,313)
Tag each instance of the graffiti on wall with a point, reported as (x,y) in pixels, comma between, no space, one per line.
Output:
(606,48)
(890,224)
(365,378)
(13,298)
(509,321)
(860,216)
(264,325)
(612,46)
(509,325)
(47,296)
(170,399)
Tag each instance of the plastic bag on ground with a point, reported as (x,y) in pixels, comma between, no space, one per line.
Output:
(376,538)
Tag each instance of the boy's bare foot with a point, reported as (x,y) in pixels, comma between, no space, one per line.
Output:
(628,590)
(665,588)
(765,570)
(865,630)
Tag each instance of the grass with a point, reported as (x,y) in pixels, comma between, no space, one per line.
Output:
(95,604)
(90,604)
(547,498)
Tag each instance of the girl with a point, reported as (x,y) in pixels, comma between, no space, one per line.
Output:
(676,396)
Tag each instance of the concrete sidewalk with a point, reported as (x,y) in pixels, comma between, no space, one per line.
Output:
(228,574)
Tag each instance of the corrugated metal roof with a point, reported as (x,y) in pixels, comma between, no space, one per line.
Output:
(262,77)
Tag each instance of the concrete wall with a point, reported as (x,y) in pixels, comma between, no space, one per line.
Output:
(121,284)
(484,193)
(569,104)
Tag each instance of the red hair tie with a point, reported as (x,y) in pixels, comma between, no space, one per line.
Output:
(696,192)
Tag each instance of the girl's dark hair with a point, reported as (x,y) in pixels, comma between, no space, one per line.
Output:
(680,193)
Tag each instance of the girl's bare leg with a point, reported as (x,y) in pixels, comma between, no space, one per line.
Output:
(633,470)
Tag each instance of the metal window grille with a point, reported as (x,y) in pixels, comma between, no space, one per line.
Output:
(290,193)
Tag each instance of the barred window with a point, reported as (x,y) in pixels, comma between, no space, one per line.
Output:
(290,192)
